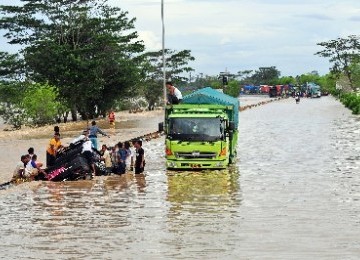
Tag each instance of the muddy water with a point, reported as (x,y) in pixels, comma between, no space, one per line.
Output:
(294,194)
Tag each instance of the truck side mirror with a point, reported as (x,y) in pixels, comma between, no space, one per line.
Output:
(231,125)
(161,127)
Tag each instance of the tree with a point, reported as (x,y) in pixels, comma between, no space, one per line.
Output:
(40,104)
(232,89)
(206,81)
(286,80)
(28,104)
(305,78)
(11,109)
(244,74)
(11,67)
(265,75)
(176,64)
(341,52)
(328,83)
(355,75)
(86,49)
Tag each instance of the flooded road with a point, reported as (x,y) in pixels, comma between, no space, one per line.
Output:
(293,194)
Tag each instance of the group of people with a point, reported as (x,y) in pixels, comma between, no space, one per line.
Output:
(29,168)
(123,157)
(119,159)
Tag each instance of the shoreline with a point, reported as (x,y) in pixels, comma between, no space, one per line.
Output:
(75,127)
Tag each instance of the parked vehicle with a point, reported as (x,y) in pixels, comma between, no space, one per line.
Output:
(273,92)
(314,90)
(202,131)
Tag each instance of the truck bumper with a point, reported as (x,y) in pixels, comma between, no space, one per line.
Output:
(176,164)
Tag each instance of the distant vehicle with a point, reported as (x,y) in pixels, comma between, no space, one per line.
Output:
(264,89)
(314,90)
(273,92)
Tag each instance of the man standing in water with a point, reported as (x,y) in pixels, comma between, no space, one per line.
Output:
(140,157)
(93,131)
(87,152)
(51,151)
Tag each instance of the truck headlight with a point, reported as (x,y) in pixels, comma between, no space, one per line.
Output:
(219,164)
(171,164)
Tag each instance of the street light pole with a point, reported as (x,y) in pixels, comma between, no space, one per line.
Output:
(163,50)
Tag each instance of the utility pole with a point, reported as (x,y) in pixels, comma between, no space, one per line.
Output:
(163,50)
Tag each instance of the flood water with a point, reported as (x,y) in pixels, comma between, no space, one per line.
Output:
(293,194)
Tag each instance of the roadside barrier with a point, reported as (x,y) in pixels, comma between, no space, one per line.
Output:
(242,108)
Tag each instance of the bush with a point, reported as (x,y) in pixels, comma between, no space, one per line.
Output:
(352,102)
(40,104)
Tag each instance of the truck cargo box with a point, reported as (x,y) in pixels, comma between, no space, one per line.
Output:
(211,96)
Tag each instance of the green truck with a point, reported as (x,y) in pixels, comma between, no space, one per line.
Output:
(314,90)
(202,131)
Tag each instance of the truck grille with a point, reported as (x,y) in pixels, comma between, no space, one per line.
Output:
(195,155)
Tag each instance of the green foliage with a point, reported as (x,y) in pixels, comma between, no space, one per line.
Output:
(328,83)
(232,89)
(11,109)
(351,101)
(286,80)
(355,72)
(266,75)
(13,114)
(305,78)
(87,50)
(176,64)
(11,67)
(215,84)
(40,104)
(341,53)
(28,104)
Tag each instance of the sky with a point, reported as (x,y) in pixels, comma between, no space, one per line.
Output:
(237,35)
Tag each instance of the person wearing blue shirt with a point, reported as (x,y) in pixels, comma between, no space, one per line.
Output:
(93,131)
(123,153)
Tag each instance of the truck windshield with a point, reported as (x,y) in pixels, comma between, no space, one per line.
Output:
(196,129)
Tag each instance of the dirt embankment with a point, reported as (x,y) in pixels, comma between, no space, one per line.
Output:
(124,120)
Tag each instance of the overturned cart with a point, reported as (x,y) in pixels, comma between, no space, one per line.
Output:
(71,165)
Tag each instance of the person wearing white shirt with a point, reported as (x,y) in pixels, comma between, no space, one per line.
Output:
(87,149)
(174,96)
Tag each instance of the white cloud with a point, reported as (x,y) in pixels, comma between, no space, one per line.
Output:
(151,41)
(245,34)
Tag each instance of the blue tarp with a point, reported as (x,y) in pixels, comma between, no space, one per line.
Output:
(211,96)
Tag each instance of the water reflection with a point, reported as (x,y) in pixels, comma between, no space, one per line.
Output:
(188,189)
